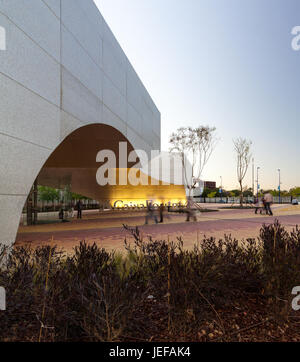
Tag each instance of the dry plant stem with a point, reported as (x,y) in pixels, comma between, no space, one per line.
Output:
(245,329)
(106,312)
(46,289)
(274,246)
(169,285)
(212,307)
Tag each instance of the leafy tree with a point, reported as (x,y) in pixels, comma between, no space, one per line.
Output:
(295,191)
(248,193)
(48,194)
(275,193)
(51,194)
(212,194)
(236,193)
(206,192)
(79,197)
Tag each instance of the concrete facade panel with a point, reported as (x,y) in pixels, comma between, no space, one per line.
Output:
(156,126)
(114,99)
(80,101)
(117,51)
(13,206)
(86,33)
(68,124)
(134,94)
(108,117)
(20,164)
(27,14)
(25,108)
(134,119)
(115,71)
(54,5)
(28,64)
(93,14)
(78,62)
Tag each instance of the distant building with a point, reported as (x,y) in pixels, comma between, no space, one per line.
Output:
(211,185)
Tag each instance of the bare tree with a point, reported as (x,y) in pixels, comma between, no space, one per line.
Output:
(195,146)
(242,148)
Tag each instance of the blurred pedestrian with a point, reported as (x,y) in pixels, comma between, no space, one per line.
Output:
(259,205)
(161,212)
(190,211)
(61,214)
(79,207)
(268,202)
(169,206)
(150,213)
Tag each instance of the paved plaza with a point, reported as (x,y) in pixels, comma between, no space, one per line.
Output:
(106,228)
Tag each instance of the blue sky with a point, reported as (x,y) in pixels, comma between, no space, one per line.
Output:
(223,63)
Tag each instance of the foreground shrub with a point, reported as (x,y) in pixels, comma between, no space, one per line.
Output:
(53,297)
(281,264)
(157,286)
(196,283)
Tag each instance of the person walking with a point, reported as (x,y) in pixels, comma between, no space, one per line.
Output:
(268,202)
(256,204)
(259,205)
(61,214)
(169,206)
(161,212)
(79,208)
(150,213)
(190,212)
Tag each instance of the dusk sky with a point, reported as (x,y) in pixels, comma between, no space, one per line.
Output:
(228,64)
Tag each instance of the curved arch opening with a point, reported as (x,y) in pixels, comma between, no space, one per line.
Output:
(73,165)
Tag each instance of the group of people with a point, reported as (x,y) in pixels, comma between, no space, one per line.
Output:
(64,215)
(152,214)
(264,204)
(158,213)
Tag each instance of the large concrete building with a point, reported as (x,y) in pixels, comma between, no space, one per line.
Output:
(66,90)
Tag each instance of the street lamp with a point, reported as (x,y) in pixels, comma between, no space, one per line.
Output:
(221,189)
(279,187)
(253,178)
(258,168)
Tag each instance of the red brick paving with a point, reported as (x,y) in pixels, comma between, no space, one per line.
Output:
(98,228)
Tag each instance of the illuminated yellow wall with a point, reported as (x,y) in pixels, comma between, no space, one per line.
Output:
(74,163)
(149,189)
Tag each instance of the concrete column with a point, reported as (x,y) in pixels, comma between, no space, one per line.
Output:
(29,207)
(35,202)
